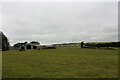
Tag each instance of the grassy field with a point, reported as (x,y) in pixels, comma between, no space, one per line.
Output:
(60,63)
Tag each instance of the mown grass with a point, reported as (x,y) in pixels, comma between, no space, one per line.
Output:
(60,63)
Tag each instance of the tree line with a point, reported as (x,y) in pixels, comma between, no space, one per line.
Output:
(102,44)
(4,43)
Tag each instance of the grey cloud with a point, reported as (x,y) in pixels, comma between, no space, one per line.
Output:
(60,22)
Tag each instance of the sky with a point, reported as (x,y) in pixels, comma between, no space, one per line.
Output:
(60,22)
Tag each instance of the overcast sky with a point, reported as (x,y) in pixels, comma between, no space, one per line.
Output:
(59,22)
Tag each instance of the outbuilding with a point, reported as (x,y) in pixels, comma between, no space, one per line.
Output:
(29,46)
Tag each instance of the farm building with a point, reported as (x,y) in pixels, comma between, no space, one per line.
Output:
(29,46)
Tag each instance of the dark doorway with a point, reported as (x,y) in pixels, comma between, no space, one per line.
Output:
(22,48)
(34,47)
(28,46)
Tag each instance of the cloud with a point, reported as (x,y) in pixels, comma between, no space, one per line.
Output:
(60,22)
(59,0)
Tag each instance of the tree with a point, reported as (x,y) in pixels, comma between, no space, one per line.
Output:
(0,41)
(5,42)
(82,44)
(25,42)
(35,42)
(17,45)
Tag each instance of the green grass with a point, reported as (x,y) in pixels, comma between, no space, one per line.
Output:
(61,63)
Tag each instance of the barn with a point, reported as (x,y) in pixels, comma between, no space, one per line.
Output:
(29,46)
